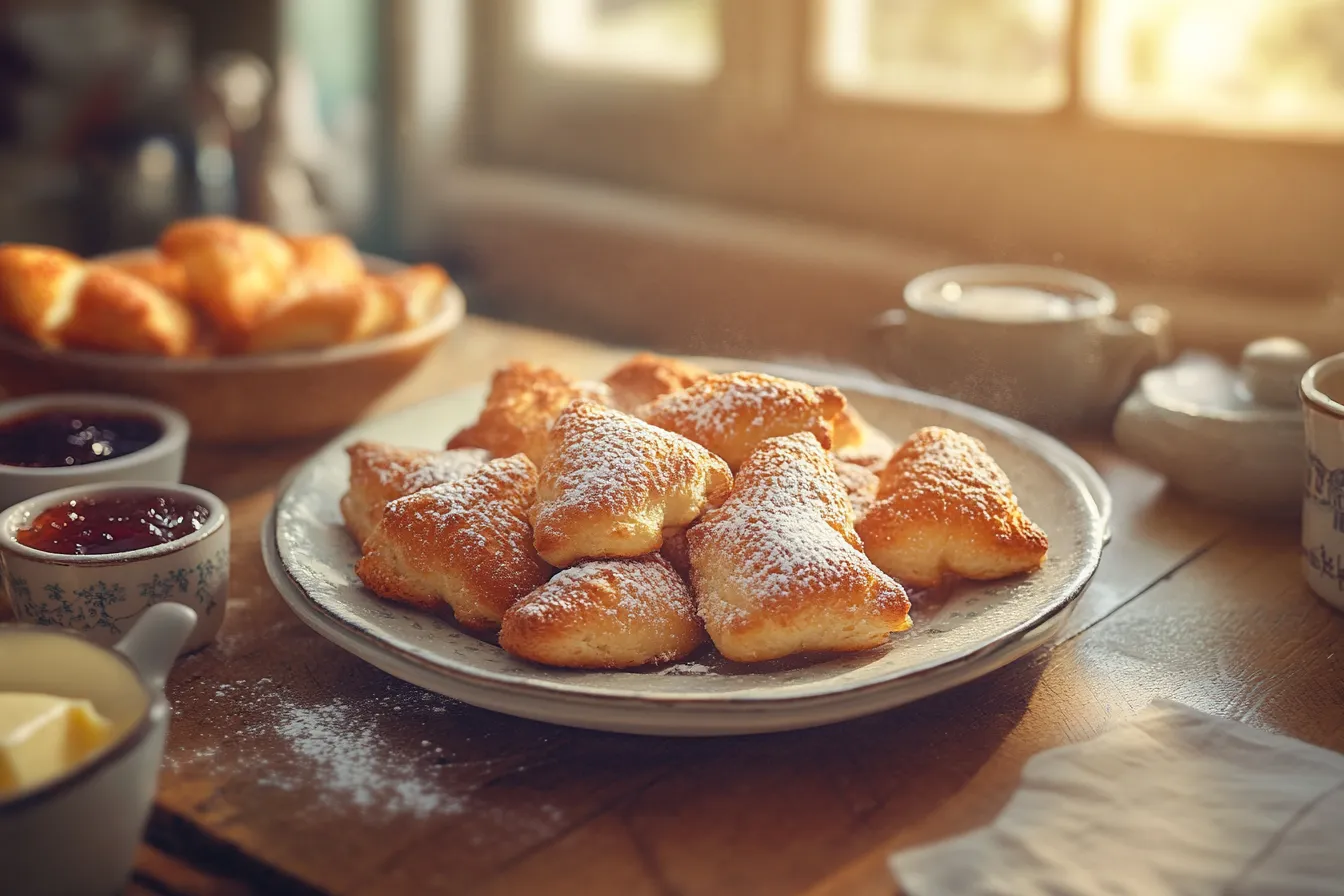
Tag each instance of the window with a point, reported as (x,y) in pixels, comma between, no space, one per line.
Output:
(1266,66)
(1008,54)
(1182,140)
(672,38)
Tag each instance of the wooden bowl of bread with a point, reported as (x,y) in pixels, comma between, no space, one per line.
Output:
(252,335)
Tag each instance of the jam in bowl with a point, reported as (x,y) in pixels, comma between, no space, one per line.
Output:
(92,558)
(55,441)
(68,438)
(113,524)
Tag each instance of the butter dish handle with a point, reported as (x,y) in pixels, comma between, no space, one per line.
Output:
(153,643)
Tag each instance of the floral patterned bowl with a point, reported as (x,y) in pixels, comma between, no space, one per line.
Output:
(101,595)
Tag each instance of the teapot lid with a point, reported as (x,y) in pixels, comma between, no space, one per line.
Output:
(1263,390)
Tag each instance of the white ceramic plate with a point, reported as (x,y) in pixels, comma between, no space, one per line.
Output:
(960,634)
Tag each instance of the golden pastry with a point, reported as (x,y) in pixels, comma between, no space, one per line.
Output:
(235,269)
(415,293)
(611,484)
(381,473)
(676,551)
(778,570)
(324,262)
(165,275)
(301,321)
(115,312)
(860,484)
(646,377)
(730,414)
(524,401)
(944,507)
(37,289)
(605,614)
(465,545)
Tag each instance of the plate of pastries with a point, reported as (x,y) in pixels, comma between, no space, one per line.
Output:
(244,329)
(687,546)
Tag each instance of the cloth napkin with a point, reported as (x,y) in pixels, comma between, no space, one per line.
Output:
(1173,802)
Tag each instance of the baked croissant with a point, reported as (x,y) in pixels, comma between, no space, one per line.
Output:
(235,269)
(611,484)
(381,473)
(465,545)
(57,300)
(165,275)
(778,570)
(731,414)
(605,614)
(115,312)
(414,293)
(323,263)
(37,289)
(524,401)
(945,507)
(646,377)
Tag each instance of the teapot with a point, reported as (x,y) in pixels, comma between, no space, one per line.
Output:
(1039,344)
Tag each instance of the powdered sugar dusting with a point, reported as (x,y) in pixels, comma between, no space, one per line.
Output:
(627,594)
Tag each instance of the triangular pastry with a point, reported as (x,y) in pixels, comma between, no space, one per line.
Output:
(464,544)
(647,376)
(605,614)
(380,473)
(611,484)
(945,507)
(731,414)
(860,484)
(524,401)
(778,570)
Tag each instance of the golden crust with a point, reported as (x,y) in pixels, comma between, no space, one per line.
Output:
(524,401)
(731,414)
(115,312)
(165,275)
(778,570)
(860,484)
(413,292)
(37,289)
(945,507)
(324,262)
(610,485)
(381,473)
(605,614)
(235,269)
(646,377)
(305,321)
(463,544)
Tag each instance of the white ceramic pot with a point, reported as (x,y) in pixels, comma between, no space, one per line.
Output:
(77,833)
(1036,343)
(101,595)
(160,462)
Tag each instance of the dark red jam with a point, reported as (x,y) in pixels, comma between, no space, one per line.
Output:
(71,438)
(113,524)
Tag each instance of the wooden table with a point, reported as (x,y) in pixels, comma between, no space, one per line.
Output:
(293,767)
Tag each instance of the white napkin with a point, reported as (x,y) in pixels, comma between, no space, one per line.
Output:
(1174,802)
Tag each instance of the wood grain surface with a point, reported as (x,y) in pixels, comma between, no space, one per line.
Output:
(293,767)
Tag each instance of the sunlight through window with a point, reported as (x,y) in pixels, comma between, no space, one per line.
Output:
(1001,54)
(675,39)
(1246,65)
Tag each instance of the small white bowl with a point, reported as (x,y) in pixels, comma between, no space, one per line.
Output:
(159,462)
(101,595)
(78,832)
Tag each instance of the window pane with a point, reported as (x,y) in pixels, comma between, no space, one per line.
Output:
(670,38)
(1002,54)
(1246,65)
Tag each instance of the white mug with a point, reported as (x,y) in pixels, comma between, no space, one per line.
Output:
(1036,343)
(78,832)
(1323,494)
